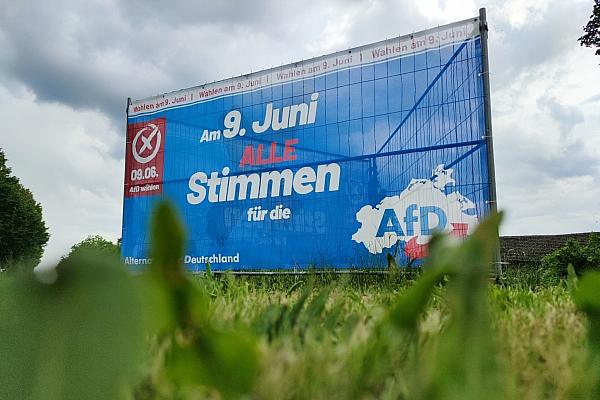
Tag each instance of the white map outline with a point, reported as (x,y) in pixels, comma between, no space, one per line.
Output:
(422,192)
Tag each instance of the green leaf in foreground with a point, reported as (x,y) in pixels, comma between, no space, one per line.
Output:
(78,338)
(464,364)
(461,363)
(587,299)
(199,353)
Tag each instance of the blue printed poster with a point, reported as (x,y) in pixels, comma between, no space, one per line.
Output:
(333,162)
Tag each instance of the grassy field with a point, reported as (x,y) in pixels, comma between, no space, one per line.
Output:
(540,337)
(446,332)
(321,352)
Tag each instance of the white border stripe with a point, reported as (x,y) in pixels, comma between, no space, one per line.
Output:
(346,60)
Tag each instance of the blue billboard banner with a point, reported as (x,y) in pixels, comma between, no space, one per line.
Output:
(333,162)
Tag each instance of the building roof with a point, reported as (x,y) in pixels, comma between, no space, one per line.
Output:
(531,248)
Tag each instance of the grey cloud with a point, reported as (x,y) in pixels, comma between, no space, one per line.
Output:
(93,55)
(76,56)
(572,160)
(372,23)
(231,13)
(525,159)
(524,49)
(566,116)
(545,188)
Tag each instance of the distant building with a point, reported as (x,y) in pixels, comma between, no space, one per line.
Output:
(532,248)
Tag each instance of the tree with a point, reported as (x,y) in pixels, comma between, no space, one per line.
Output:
(96,245)
(23,233)
(592,30)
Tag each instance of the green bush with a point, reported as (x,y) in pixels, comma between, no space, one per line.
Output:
(582,257)
(94,245)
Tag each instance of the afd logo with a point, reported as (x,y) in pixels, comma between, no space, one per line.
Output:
(424,207)
(429,219)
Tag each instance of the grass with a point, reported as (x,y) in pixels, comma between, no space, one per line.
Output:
(442,333)
(539,333)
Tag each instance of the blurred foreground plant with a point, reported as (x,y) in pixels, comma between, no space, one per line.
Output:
(82,337)
(195,351)
(99,332)
(78,338)
(460,362)
(586,293)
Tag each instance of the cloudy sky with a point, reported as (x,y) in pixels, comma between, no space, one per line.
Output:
(67,68)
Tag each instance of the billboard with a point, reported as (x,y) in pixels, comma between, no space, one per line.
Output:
(330,162)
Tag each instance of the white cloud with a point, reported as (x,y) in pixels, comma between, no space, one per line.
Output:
(521,12)
(448,10)
(63,156)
